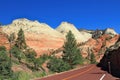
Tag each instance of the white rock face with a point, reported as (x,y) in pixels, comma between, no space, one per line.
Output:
(110,31)
(34,30)
(65,27)
(30,27)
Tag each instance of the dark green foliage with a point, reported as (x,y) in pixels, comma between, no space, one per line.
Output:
(71,51)
(20,43)
(2,48)
(92,59)
(30,55)
(11,38)
(17,53)
(58,65)
(5,66)
(39,61)
(31,58)
(44,57)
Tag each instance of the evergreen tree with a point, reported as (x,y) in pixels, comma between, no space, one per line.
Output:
(71,51)
(21,44)
(11,40)
(5,66)
(17,53)
(92,58)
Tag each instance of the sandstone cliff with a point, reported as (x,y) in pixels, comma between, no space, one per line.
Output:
(39,36)
(82,36)
(98,46)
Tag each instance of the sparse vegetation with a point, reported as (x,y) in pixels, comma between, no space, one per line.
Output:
(21,54)
(92,58)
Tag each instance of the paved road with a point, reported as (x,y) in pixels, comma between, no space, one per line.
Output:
(91,72)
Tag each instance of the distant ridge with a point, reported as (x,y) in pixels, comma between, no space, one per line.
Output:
(30,27)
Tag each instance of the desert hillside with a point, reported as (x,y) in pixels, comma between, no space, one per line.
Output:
(44,39)
(41,36)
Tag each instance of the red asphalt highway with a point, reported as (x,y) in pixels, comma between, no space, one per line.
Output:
(91,72)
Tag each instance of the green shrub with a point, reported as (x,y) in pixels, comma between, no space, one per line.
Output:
(39,61)
(58,65)
(2,48)
(39,74)
(30,55)
(20,76)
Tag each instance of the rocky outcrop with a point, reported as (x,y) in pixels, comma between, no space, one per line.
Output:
(97,46)
(110,31)
(81,36)
(111,60)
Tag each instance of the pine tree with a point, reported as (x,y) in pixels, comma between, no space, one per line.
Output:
(71,51)
(5,65)
(11,40)
(21,44)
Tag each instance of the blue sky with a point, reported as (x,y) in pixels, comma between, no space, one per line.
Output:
(87,14)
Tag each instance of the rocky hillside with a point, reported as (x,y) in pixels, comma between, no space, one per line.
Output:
(43,39)
(82,36)
(98,46)
(39,36)
(111,60)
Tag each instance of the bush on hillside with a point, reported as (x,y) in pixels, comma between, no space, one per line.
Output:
(58,65)
(17,53)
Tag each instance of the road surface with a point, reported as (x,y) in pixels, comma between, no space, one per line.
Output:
(91,72)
